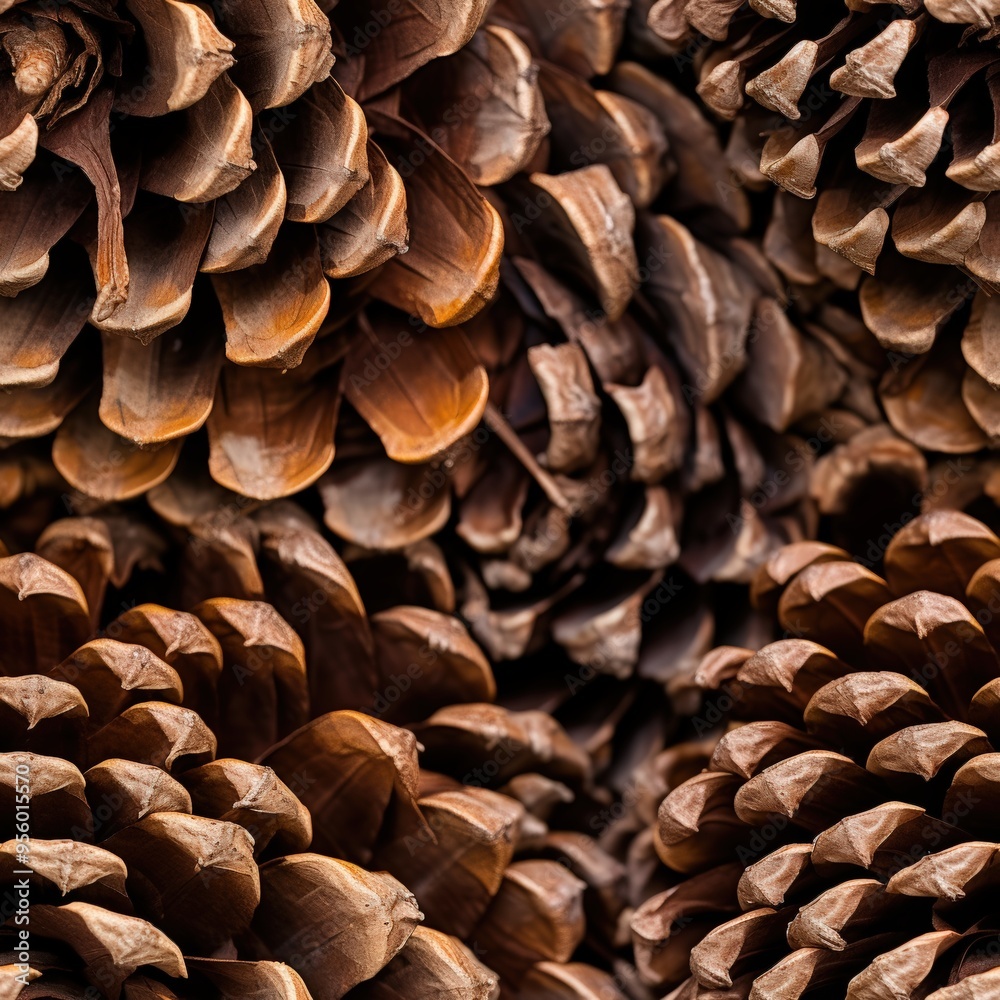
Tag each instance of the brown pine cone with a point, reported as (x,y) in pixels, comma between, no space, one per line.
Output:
(200,826)
(580,174)
(224,183)
(190,540)
(368,620)
(657,401)
(882,116)
(840,840)
(604,639)
(654,394)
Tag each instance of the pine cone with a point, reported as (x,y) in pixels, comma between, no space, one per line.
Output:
(347,612)
(652,393)
(190,796)
(841,837)
(882,116)
(592,585)
(658,396)
(494,829)
(578,174)
(219,177)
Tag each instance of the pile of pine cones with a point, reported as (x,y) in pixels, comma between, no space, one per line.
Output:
(498,500)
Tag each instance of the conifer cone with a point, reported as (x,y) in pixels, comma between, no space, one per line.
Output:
(230,181)
(840,839)
(527,127)
(653,393)
(502,847)
(202,826)
(882,117)
(366,618)
(658,391)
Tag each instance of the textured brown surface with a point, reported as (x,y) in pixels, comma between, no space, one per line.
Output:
(202,785)
(884,118)
(840,840)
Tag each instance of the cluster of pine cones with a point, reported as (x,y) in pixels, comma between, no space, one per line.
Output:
(499,500)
